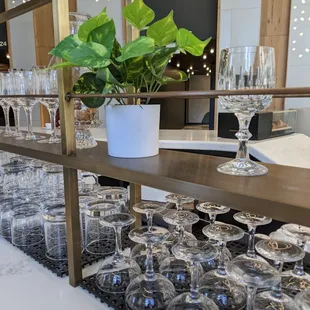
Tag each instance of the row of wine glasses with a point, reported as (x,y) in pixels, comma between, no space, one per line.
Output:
(26,82)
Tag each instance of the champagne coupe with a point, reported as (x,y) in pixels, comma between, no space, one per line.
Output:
(150,290)
(252,273)
(252,221)
(47,85)
(303,300)
(173,268)
(116,272)
(245,68)
(193,252)
(6,89)
(159,251)
(296,279)
(215,284)
(279,252)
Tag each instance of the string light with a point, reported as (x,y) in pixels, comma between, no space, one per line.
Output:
(191,67)
(193,73)
(204,56)
(307,50)
(300,55)
(178,64)
(188,70)
(302,19)
(204,65)
(212,50)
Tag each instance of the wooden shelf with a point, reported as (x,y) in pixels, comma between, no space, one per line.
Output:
(283,194)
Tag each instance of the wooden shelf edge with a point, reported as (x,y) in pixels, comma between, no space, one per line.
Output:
(22,9)
(282,195)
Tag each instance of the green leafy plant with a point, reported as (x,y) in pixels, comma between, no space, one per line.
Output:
(138,65)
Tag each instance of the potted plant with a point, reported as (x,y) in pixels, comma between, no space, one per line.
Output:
(140,65)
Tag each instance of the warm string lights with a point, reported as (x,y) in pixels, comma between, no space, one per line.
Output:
(299,17)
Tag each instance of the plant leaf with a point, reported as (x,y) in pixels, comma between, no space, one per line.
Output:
(134,68)
(157,61)
(61,65)
(88,83)
(188,42)
(91,24)
(138,14)
(178,76)
(139,47)
(163,31)
(105,75)
(104,35)
(89,54)
(66,45)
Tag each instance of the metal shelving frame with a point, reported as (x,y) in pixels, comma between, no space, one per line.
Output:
(283,194)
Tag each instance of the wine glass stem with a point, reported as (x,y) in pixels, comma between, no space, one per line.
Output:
(221,266)
(149,218)
(28,111)
(16,111)
(243,134)
(299,266)
(251,293)
(118,244)
(52,113)
(6,110)
(149,272)
(181,231)
(179,206)
(212,218)
(277,289)
(194,287)
(251,242)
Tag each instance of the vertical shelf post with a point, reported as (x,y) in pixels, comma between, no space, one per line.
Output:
(135,197)
(61,30)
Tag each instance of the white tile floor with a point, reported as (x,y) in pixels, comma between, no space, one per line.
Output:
(25,284)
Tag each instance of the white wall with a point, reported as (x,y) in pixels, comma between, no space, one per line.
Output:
(114,10)
(298,65)
(239,24)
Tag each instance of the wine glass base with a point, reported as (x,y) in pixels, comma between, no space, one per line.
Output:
(184,301)
(30,137)
(225,293)
(8,134)
(266,300)
(244,167)
(143,293)
(84,139)
(51,140)
(293,282)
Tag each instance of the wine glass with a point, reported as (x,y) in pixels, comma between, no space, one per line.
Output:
(193,252)
(303,300)
(296,279)
(116,272)
(6,89)
(243,68)
(252,273)
(215,284)
(46,82)
(252,221)
(18,89)
(173,268)
(279,252)
(179,201)
(150,290)
(159,251)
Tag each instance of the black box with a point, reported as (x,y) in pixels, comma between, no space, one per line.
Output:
(260,126)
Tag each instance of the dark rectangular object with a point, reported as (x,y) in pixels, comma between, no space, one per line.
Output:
(260,127)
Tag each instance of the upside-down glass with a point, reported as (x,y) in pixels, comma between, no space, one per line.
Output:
(159,251)
(303,300)
(116,272)
(280,252)
(46,82)
(150,290)
(216,284)
(245,68)
(193,252)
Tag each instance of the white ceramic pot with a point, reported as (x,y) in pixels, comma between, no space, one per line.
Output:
(132,130)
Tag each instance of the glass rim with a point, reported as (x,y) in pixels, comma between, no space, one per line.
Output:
(250,47)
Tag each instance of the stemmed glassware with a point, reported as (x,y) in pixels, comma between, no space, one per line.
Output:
(296,279)
(150,290)
(6,89)
(193,252)
(215,284)
(173,268)
(252,221)
(159,251)
(303,300)
(47,85)
(244,68)
(279,252)
(116,272)
(252,273)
